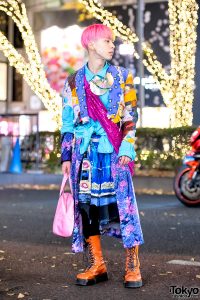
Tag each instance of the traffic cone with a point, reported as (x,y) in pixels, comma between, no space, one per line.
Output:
(16,166)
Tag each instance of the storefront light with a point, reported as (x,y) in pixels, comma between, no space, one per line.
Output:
(60,38)
(4,127)
(3,81)
(148,82)
(161,117)
(126,49)
(24,125)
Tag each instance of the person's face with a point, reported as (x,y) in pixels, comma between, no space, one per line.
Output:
(103,48)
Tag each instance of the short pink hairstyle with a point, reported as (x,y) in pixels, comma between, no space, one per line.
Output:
(94,32)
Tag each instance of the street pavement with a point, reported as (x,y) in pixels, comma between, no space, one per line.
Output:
(35,264)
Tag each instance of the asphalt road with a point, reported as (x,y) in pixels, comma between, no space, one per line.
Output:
(34,264)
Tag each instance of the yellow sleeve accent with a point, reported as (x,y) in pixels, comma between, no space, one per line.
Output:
(130,140)
(129,79)
(116,119)
(130,96)
(130,92)
(74,97)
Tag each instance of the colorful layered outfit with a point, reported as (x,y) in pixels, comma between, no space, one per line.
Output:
(96,131)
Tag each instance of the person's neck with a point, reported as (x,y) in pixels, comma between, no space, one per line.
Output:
(95,65)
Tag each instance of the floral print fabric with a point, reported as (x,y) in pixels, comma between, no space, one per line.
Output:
(130,228)
(66,146)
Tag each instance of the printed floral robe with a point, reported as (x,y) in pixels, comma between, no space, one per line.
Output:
(123,111)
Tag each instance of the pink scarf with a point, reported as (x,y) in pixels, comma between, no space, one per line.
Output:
(98,112)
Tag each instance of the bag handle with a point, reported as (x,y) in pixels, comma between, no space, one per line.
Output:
(63,184)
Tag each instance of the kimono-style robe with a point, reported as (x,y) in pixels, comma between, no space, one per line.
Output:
(122,110)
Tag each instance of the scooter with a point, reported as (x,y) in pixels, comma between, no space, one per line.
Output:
(187,180)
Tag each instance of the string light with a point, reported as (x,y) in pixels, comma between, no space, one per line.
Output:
(177,87)
(183,22)
(33,70)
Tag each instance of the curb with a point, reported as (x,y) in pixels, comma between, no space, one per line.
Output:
(142,184)
(152,184)
(31,179)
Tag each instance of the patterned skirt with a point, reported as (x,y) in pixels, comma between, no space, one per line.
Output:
(96,185)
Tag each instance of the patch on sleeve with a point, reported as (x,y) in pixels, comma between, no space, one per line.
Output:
(67,95)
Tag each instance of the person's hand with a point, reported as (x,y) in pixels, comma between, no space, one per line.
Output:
(124,160)
(66,166)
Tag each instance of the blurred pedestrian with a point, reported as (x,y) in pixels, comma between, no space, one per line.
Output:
(98,133)
(5,152)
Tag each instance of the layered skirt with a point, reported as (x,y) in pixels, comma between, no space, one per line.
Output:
(104,197)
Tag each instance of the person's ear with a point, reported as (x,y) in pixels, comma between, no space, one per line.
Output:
(91,46)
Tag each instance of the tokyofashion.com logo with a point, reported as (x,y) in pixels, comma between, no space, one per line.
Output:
(184,292)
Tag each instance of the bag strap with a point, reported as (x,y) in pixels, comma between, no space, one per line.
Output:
(63,184)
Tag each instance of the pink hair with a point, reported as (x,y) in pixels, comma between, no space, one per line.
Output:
(94,32)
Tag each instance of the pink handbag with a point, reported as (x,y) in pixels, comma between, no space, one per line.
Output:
(63,223)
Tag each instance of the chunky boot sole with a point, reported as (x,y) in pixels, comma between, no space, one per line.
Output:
(97,279)
(132,284)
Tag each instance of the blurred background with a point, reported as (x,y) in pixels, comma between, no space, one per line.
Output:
(57,27)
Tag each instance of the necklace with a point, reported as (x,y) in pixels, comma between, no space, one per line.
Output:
(99,86)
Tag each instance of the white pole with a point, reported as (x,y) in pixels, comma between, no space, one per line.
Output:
(140,32)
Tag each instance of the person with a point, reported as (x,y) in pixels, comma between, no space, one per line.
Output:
(97,140)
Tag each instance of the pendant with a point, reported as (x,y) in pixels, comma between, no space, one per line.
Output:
(100,86)
(97,90)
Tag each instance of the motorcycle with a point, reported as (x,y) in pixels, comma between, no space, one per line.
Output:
(187,180)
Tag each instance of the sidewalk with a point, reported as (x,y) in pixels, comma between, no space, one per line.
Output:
(149,184)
